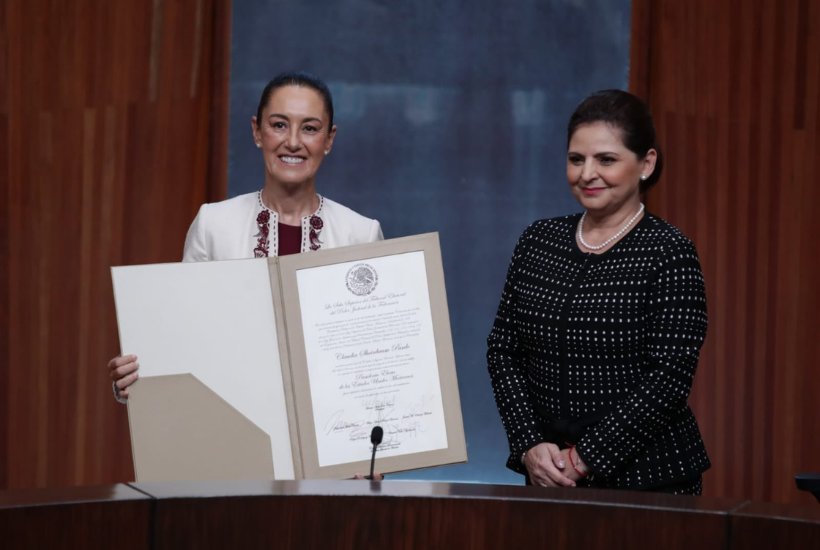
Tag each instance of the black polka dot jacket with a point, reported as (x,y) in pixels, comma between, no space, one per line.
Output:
(606,345)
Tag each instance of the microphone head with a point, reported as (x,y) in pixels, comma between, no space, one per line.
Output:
(376,435)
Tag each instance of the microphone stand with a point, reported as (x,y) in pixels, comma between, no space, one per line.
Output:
(375,438)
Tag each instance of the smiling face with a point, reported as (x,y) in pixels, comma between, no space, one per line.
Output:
(294,135)
(603,174)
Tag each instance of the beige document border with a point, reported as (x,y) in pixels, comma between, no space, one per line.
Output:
(284,361)
(293,344)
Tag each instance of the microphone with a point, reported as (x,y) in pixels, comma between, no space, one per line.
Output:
(376,436)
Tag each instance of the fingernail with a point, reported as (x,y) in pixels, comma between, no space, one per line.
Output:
(560,463)
(136,375)
(137,363)
(573,485)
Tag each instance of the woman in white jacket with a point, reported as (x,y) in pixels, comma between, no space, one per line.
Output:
(294,129)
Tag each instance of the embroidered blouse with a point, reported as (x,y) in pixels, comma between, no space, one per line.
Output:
(311,228)
(242,227)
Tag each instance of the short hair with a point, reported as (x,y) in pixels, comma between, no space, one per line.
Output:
(628,114)
(301,79)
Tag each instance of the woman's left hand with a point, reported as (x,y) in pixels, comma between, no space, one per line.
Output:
(569,471)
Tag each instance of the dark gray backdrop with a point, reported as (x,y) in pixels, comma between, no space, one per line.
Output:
(452,118)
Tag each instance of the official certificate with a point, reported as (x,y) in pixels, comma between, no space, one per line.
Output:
(370,345)
(371,357)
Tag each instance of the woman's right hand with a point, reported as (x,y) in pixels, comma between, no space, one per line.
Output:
(544,465)
(123,371)
(376,476)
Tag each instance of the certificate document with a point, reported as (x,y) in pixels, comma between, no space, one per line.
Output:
(371,357)
(369,344)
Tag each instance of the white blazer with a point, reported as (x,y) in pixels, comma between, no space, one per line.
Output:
(228,230)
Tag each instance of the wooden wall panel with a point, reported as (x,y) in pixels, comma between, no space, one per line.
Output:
(106,115)
(734,87)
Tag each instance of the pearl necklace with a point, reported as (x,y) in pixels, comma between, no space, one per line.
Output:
(612,238)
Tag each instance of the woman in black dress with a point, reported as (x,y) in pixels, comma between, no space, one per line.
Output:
(601,321)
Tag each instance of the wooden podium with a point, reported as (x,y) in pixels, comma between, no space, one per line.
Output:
(391,514)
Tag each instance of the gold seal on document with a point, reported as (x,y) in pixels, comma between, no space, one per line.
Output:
(362,279)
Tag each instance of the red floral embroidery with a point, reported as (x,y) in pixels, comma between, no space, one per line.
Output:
(316,225)
(315,243)
(262,243)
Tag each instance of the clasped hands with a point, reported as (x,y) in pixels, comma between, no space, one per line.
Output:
(548,466)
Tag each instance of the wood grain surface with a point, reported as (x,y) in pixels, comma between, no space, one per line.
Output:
(107,112)
(391,514)
(735,91)
(409,515)
(114,516)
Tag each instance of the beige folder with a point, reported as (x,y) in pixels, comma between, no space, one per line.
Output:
(224,391)
(184,430)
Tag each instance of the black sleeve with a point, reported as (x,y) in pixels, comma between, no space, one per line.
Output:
(508,373)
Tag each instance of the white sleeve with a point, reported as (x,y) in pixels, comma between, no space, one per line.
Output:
(196,249)
(375,232)
(117,394)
